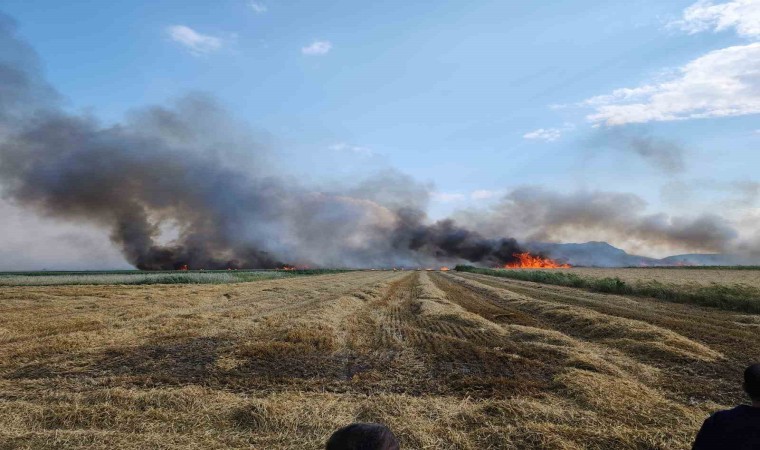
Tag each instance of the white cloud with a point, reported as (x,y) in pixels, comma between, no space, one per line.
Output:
(544,134)
(357,149)
(742,15)
(317,48)
(258,7)
(549,134)
(195,42)
(452,197)
(447,197)
(484,194)
(722,83)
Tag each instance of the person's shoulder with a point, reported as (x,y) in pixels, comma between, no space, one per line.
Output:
(733,413)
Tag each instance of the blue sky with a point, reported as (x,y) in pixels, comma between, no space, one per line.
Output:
(476,98)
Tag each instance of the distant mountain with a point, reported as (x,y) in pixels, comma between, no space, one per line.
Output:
(602,254)
(709,259)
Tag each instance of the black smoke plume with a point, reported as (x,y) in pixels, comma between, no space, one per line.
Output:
(185,184)
(444,240)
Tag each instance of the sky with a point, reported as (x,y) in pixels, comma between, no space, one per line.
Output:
(475,99)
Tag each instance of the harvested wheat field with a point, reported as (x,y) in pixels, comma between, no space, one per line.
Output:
(673,275)
(447,360)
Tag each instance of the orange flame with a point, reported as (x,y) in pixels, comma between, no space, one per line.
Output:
(526,260)
(184,267)
(288,267)
(444,269)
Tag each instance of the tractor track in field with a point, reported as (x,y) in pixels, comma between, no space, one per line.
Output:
(717,331)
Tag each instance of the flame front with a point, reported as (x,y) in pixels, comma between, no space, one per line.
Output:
(528,261)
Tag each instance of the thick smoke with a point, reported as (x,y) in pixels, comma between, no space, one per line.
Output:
(185,184)
(535,214)
(446,241)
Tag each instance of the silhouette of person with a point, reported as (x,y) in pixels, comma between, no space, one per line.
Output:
(363,436)
(738,428)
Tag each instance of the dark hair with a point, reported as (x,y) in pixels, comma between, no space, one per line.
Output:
(752,381)
(363,436)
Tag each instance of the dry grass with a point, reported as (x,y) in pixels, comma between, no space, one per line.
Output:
(449,361)
(704,277)
(727,294)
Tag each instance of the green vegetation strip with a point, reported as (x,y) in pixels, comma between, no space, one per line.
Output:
(737,297)
(146,277)
(696,267)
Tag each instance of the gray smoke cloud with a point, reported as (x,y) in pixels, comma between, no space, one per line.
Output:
(664,155)
(536,214)
(193,170)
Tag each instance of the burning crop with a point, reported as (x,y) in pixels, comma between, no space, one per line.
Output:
(526,260)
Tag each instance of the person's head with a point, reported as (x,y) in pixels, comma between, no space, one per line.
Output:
(363,436)
(752,382)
